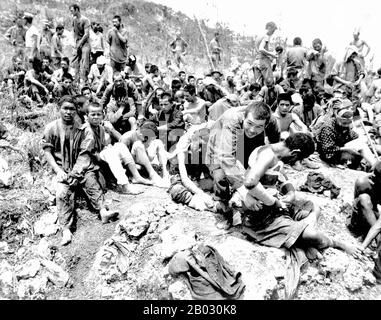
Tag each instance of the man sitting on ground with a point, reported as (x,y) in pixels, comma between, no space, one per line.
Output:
(187,187)
(68,149)
(338,144)
(100,75)
(147,150)
(285,223)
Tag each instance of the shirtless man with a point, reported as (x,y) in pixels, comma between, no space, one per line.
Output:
(194,108)
(360,44)
(178,47)
(187,187)
(288,121)
(283,226)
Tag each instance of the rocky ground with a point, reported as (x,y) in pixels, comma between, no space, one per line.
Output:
(128,258)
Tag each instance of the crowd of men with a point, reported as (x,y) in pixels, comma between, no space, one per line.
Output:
(217,142)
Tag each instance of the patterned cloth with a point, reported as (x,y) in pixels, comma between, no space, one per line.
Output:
(331,138)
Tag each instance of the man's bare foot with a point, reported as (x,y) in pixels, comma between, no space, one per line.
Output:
(66,237)
(141,180)
(161,183)
(107,215)
(129,189)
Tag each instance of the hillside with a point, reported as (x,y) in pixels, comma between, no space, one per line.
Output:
(151,27)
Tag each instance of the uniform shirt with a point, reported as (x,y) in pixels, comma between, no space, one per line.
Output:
(295,57)
(79,28)
(118,49)
(96,41)
(227,142)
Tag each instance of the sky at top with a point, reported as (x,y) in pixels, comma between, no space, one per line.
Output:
(333,21)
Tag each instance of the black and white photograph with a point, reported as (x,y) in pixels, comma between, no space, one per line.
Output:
(190,155)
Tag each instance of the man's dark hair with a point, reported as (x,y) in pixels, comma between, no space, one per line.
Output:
(176,84)
(317,40)
(259,110)
(297,41)
(153,68)
(255,87)
(94,105)
(117,17)
(60,27)
(85,88)
(302,141)
(165,95)
(67,75)
(75,7)
(66,98)
(284,97)
(80,100)
(191,77)
(29,20)
(66,59)
(190,88)
(181,72)
(47,58)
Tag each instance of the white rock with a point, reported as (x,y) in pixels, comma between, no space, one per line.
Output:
(5,174)
(6,277)
(260,266)
(175,239)
(335,264)
(42,249)
(29,288)
(28,270)
(55,273)
(4,247)
(47,224)
(179,291)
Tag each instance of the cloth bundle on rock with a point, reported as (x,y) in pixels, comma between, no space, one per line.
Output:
(208,276)
(317,183)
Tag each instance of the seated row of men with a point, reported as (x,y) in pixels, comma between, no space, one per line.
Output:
(80,153)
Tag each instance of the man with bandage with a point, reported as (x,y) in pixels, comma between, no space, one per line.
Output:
(338,144)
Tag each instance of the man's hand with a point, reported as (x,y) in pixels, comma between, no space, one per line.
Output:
(61,176)
(208,200)
(252,204)
(108,126)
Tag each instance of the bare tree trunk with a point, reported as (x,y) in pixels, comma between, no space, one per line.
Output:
(205,42)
